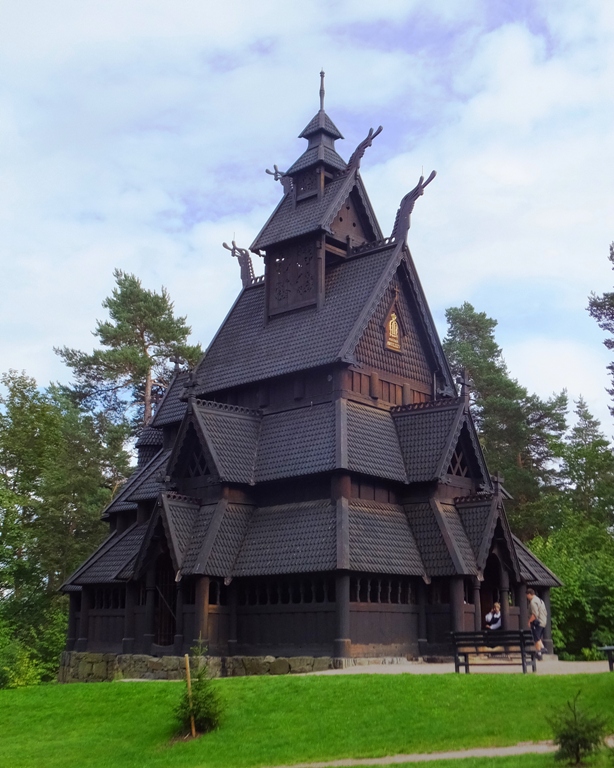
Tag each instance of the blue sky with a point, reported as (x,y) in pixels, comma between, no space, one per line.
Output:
(135,135)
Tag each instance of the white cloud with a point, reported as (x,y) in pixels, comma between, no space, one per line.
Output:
(137,137)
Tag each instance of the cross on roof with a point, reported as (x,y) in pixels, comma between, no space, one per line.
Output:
(497,482)
(177,360)
(463,380)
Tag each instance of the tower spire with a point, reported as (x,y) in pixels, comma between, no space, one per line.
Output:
(322,73)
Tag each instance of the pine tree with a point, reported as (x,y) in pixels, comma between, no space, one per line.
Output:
(139,340)
(601,308)
(520,433)
(588,470)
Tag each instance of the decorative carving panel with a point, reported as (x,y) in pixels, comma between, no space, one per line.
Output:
(291,277)
(306,184)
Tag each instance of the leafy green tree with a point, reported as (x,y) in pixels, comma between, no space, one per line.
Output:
(138,342)
(520,433)
(582,556)
(58,467)
(601,308)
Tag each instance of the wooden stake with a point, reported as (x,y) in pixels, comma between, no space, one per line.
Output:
(189,682)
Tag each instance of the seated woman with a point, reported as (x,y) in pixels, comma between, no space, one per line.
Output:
(493,618)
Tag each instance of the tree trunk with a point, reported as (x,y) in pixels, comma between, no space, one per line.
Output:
(147,398)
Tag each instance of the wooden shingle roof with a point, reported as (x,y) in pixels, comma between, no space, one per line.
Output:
(248,349)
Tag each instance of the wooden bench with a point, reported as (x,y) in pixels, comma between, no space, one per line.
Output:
(496,642)
(609,652)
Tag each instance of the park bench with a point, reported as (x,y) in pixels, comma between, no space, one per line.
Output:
(496,642)
(609,652)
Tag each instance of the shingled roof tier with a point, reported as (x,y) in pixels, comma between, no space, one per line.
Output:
(232,438)
(431,545)
(311,156)
(111,559)
(292,219)
(372,443)
(248,349)
(426,431)
(150,437)
(475,515)
(381,540)
(533,571)
(289,538)
(320,122)
(171,408)
(142,485)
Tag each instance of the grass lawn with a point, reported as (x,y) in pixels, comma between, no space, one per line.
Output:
(279,720)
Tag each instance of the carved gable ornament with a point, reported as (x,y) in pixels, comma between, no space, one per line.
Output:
(394,331)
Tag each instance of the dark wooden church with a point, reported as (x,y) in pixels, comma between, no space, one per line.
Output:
(315,486)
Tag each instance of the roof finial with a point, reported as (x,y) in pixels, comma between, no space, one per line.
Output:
(322,90)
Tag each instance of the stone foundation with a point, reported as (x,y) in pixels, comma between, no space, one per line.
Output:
(98,667)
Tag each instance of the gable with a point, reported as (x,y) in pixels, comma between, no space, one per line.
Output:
(486,524)
(412,360)
(427,434)
(191,460)
(465,461)
(350,222)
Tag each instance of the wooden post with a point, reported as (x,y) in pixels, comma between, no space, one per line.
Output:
(188,679)
(71,638)
(521,599)
(374,386)
(128,639)
(178,639)
(342,642)
(477,604)
(407,394)
(545,595)
(86,604)
(201,618)
(505,598)
(232,629)
(422,628)
(457,603)
(150,610)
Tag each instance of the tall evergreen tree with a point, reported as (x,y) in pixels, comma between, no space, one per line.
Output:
(601,308)
(139,340)
(587,472)
(520,433)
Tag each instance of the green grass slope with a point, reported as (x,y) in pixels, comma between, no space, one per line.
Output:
(282,720)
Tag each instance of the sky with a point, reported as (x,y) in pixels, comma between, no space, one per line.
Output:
(136,135)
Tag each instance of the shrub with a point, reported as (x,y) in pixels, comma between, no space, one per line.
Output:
(592,654)
(205,706)
(576,733)
(17,668)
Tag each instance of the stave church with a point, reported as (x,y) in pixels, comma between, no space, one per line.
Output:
(315,486)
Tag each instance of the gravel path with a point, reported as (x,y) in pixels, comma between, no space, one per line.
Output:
(539,747)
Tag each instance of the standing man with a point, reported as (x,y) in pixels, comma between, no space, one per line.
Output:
(537,620)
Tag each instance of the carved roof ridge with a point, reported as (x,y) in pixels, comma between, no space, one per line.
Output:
(473,498)
(442,402)
(228,408)
(374,245)
(174,496)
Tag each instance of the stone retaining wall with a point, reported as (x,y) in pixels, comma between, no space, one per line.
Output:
(98,667)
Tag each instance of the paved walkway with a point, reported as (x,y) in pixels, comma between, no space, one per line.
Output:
(545,667)
(539,747)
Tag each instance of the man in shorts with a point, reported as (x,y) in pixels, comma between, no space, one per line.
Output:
(537,621)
